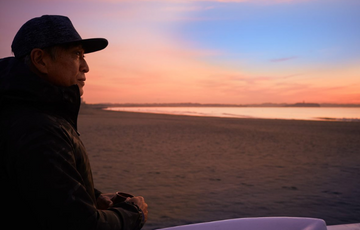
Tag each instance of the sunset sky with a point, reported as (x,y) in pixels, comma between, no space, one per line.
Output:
(210,51)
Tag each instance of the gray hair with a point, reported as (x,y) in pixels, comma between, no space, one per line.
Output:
(52,51)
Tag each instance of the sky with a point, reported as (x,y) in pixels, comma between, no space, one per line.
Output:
(210,51)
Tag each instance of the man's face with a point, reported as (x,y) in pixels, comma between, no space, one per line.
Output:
(68,68)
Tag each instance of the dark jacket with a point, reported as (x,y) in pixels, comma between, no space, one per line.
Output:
(46,179)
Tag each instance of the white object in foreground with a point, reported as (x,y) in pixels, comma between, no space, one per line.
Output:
(261,223)
(344,227)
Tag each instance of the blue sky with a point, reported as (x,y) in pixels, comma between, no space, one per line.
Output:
(310,31)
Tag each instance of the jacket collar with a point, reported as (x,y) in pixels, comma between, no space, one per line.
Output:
(19,86)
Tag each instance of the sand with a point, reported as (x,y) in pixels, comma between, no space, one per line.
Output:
(194,169)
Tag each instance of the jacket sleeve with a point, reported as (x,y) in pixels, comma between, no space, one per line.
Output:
(97,193)
(44,170)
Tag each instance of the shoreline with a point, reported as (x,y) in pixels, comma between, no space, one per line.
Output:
(177,111)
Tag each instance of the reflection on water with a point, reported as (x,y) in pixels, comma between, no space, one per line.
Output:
(327,114)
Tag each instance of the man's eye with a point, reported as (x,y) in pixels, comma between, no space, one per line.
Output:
(80,54)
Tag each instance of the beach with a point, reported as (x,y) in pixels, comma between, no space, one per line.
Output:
(195,169)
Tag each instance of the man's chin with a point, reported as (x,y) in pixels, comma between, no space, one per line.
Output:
(81,90)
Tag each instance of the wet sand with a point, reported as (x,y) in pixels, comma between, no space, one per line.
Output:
(195,169)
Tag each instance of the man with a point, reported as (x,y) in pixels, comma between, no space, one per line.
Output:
(45,172)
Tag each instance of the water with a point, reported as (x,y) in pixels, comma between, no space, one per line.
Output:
(296,113)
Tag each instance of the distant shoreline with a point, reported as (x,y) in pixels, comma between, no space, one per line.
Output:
(105,105)
(347,114)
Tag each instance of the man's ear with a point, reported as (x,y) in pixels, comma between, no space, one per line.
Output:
(39,60)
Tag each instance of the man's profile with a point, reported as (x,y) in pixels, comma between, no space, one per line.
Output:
(45,172)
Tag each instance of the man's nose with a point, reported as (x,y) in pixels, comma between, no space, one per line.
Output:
(84,66)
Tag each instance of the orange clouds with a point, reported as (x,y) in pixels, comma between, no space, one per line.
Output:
(190,1)
(168,70)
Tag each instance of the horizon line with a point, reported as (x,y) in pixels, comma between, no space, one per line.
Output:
(266,104)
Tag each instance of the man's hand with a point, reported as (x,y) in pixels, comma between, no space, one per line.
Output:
(140,202)
(104,201)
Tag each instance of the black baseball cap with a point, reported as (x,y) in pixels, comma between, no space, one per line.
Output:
(51,30)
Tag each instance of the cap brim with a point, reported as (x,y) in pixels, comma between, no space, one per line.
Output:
(93,44)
